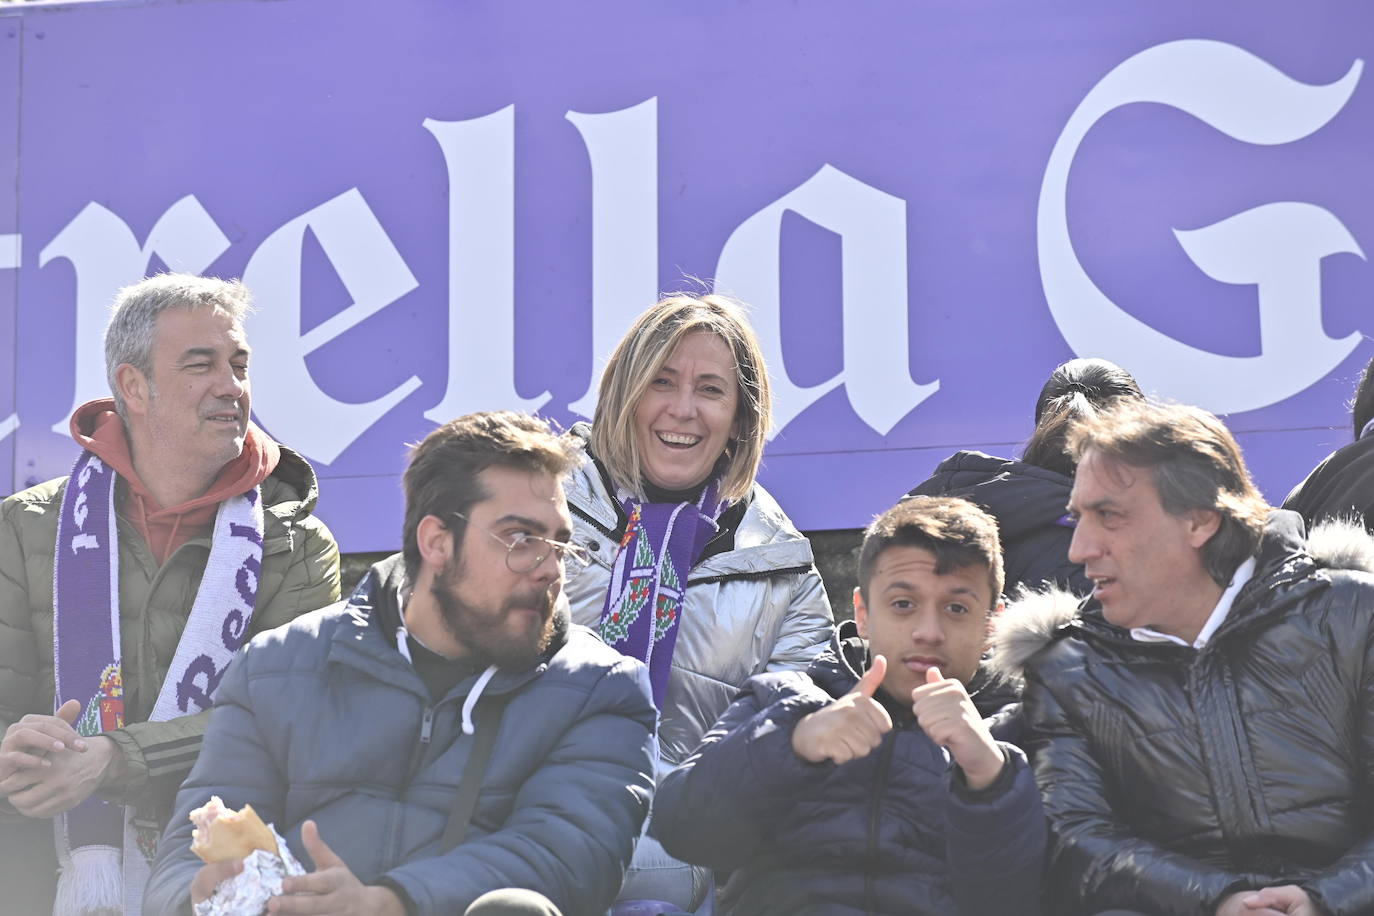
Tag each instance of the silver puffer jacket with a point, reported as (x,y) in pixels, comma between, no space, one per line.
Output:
(758,607)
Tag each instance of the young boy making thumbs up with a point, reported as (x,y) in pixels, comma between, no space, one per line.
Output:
(870,783)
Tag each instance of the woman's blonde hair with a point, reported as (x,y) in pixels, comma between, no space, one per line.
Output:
(640,355)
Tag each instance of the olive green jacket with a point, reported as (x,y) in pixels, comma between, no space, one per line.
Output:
(300,573)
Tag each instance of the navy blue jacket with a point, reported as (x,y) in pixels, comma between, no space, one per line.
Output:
(325,719)
(895,832)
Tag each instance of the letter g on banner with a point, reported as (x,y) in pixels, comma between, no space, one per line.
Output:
(1276,247)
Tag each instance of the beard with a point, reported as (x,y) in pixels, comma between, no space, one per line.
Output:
(484,631)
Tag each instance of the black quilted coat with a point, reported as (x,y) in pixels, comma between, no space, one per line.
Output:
(1342,486)
(1174,776)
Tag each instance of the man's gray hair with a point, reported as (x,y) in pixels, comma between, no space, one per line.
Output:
(133,317)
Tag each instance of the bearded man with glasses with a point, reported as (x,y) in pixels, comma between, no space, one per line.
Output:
(363,730)
(504,635)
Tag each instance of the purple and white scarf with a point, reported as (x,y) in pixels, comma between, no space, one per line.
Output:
(104,856)
(649,578)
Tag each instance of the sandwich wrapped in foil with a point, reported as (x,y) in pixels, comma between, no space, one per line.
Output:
(247,893)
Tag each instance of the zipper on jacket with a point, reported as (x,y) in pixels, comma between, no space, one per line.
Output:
(417,756)
(582,514)
(745,576)
(1235,770)
(394,826)
(875,804)
(427,725)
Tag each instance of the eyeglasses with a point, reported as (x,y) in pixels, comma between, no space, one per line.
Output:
(524,552)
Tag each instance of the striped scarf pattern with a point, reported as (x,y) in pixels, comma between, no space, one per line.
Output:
(103,851)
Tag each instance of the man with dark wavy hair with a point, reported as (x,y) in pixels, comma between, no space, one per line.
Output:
(1203,725)
(445,734)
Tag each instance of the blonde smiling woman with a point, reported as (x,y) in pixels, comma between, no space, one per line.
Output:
(696,570)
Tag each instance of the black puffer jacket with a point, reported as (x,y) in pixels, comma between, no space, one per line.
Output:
(1175,776)
(894,832)
(1342,486)
(1030,505)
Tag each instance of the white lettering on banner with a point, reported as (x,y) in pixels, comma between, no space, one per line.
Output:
(10,259)
(285,395)
(1276,247)
(480,156)
(623,149)
(105,255)
(872,226)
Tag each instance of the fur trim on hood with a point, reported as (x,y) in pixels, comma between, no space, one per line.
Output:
(1026,626)
(1032,617)
(1342,544)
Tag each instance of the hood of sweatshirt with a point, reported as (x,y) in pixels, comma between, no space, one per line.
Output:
(97,428)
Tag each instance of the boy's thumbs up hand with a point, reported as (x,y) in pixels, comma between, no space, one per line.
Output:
(945,713)
(873,677)
(848,728)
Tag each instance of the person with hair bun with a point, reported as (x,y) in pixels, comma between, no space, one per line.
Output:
(695,568)
(1028,497)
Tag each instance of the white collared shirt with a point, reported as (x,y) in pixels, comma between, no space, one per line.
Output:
(1214,622)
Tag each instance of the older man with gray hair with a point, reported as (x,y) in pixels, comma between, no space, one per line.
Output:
(126,587)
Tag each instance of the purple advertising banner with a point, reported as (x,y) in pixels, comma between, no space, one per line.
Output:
(448,207)
(10,252)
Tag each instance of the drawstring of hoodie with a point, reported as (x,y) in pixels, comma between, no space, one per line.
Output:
(162,551)
(474,694)
(159,546)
